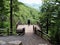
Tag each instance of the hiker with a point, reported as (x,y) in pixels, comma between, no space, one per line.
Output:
(28,22)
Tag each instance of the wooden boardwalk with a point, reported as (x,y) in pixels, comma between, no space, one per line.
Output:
(28,39)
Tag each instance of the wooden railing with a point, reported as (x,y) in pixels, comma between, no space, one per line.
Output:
(4,30)
(40,33)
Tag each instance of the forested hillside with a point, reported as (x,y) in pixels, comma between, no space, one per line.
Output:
(20,12)
(26,13)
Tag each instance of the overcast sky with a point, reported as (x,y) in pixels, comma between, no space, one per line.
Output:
(31,1)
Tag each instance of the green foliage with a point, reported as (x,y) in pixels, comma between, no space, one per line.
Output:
(20,12)
(50,9)
(26,13)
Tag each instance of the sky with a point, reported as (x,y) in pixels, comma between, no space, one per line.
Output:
(33,3)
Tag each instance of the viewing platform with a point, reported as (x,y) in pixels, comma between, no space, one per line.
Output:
(29,38)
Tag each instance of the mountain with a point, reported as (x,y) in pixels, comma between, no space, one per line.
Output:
(27,12)
(20,12)
(33,5)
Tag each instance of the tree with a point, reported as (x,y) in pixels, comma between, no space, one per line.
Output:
(2,12)
(50,10)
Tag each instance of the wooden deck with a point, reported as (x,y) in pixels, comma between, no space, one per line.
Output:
(28,39)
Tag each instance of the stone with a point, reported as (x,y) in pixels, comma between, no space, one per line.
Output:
(15,43)
(43,44)
(2,42)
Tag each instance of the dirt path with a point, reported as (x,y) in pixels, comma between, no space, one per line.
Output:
(28,39)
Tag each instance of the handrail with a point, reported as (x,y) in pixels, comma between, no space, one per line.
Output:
(3,29)
(42,31)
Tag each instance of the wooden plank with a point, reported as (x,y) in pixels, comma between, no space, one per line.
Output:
(15,43)
(2,42)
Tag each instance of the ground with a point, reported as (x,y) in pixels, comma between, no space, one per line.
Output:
(29,38)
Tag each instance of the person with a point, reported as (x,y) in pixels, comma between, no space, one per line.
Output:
(28,22)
